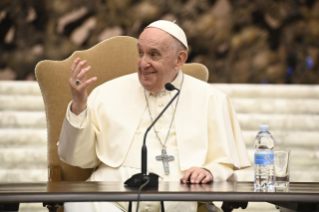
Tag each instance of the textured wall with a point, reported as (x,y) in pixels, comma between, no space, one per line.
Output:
(240,41)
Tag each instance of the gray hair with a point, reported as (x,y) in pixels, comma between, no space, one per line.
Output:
(178,46)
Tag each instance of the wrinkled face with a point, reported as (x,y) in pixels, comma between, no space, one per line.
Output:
(157,59)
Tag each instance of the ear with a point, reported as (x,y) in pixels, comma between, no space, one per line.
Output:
(180,60)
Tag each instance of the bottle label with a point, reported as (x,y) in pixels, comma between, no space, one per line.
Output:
(264,159)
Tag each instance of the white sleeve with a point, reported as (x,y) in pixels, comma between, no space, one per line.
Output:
(76,145)
(76,120)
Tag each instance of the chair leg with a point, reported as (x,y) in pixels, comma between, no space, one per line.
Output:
(130,206)
(162,206)
(229,206)
(52,207)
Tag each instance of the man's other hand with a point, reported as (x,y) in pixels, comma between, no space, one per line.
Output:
(197,175)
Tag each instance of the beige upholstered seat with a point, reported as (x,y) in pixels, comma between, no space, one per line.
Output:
(109,59)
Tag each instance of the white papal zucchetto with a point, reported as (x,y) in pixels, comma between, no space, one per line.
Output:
(172,29)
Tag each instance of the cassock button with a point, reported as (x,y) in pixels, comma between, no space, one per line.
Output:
(161,104)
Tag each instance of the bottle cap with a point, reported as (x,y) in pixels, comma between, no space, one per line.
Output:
(263,127)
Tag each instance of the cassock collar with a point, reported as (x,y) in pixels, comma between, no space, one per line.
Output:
(176,82)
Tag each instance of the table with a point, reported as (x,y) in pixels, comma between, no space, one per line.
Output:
(301,196)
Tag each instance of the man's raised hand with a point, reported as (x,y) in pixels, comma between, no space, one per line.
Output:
(79,89)
(197,175)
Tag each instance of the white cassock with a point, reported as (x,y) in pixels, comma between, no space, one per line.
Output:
(205,133)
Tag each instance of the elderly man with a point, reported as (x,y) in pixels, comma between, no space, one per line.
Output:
(105,130)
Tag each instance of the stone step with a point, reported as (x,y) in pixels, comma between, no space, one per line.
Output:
(19,158)
(21,119)
(285,122)
(26,138)
(21,103)
(272,105)
(303,139)
(24,175)
(241,105)
(20,88)
(301,122)
(232,90)
(15,158)
(269,91)
(32,207)
(21,138)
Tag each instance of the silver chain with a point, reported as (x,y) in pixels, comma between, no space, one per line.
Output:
(170,126)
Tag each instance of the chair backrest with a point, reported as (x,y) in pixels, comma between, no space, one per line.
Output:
(109,59)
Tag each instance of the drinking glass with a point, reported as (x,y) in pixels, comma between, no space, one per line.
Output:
(282,160)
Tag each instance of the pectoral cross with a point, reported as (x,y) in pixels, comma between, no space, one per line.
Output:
(165,159)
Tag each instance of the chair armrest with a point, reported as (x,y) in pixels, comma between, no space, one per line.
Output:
(55,173)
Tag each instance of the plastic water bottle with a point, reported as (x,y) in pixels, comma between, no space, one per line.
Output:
(264,160)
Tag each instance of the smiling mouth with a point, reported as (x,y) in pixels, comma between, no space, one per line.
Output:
(148,73)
